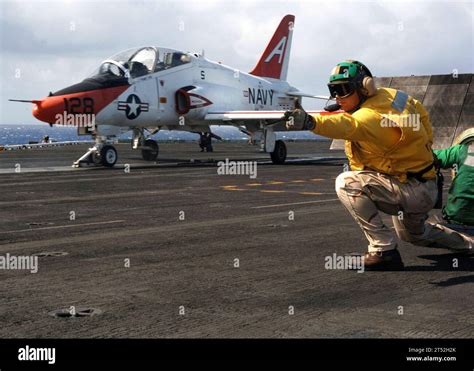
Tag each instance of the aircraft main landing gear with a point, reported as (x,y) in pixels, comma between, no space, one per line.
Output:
(269,144)
(150,150)
(278,155)
(148,147)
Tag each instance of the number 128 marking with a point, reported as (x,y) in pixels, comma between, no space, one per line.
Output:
(78,105)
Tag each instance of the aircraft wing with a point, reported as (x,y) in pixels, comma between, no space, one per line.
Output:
(244,115)
(272,116)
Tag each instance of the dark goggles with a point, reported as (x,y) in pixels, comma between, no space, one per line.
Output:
(341,89)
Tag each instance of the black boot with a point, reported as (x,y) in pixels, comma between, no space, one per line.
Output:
(389,260)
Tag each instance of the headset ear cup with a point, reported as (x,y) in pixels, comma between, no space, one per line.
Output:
(368,86)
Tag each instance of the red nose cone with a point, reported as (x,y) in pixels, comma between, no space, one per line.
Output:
(35,110)
(47,109)
(53,109)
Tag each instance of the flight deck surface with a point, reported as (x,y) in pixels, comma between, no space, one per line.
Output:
(175,250)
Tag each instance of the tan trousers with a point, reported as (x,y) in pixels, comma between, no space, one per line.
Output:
(366,193)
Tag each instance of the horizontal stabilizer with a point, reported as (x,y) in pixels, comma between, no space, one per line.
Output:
(307,95)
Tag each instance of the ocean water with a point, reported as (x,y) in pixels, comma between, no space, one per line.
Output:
(24,134)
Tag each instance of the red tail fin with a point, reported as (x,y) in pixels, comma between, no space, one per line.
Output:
(274,60)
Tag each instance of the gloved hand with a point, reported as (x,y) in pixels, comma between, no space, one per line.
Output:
(332,107)
(298,119)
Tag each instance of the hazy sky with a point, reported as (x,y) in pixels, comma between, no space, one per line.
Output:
(48,45)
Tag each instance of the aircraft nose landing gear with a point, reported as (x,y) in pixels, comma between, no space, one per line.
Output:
(108,156)
(100,154)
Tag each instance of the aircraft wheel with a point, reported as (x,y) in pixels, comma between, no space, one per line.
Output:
(108,155)
(279,154)
(96,158)
(150,154)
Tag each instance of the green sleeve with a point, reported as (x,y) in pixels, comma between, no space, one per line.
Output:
(449,156)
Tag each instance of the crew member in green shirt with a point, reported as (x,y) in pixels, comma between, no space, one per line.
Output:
(459,209)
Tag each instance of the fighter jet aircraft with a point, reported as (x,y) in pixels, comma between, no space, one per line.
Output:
(150,88)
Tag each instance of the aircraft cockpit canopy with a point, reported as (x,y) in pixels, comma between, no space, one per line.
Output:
(142,61)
